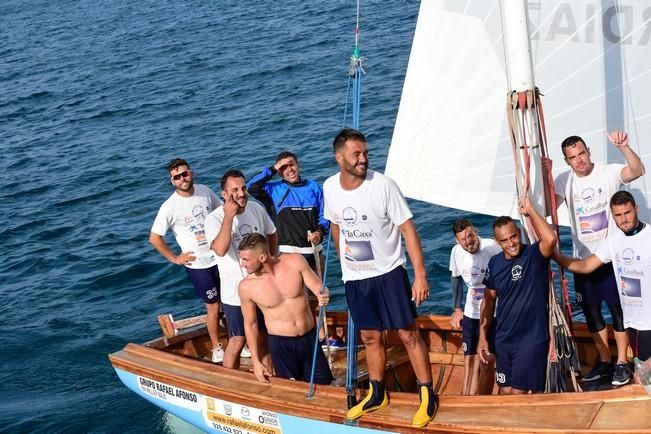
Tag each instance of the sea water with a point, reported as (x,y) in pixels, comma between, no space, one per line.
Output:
(95,98)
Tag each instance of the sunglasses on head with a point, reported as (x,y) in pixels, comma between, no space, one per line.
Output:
(183,174)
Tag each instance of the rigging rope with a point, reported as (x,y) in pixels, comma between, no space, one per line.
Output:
(320,320)
(563,356)
(317,264)
(354,92)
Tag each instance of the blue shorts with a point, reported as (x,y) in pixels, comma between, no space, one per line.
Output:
(292,358)
(640,341)
(381,302)
(598,286)
(205,282)
(522,367)
(235,320)
(470,332)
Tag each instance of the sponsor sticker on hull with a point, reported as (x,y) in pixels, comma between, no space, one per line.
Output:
(173,395)
(234,418)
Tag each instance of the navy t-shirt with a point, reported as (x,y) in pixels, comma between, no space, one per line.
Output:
(521,284)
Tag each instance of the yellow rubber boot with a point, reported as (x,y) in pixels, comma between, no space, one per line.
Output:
(375,399)
(428,406)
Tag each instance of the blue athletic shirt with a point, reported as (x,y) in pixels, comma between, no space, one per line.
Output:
(521,284)
(295,208)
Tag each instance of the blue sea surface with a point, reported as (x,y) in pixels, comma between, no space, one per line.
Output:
(95,98)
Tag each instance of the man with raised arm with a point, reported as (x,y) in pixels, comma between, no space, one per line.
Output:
(184,212)
(225,228)
(519,277)
(368,215)
(586,189)
(296,205)
(275,284)
(629,250)
(468,264)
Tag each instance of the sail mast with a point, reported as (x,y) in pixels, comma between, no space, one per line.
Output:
(524,120)
(529,140)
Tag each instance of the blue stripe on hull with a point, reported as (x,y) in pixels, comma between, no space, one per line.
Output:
(193,408)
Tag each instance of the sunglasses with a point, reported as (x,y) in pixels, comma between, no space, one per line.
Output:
(183,174)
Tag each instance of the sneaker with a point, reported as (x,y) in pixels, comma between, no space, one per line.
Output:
(622,374)
(218,354)
(334,343)
(599,370)
(246,353)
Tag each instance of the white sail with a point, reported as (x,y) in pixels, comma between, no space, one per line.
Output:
(592,61)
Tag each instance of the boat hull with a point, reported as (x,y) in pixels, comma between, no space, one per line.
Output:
(215,415)
(173,374)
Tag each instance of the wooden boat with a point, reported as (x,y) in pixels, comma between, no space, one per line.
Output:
(174,373)
(455,101)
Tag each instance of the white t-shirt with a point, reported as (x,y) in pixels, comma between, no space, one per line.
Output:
(587,199)
(472,268)
(368,218)
(631,257)
(185,216)
(253,219)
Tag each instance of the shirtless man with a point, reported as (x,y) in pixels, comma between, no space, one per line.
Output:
(296,205)
(275,285)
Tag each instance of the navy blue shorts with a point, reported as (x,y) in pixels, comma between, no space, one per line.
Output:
(598,286)
(640,341)
(382,302)
(522,367)
(470,332)
(206,283)
(292,358)
(235,320)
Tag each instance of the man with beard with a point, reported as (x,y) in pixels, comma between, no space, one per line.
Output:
(225,228)
(586,189)
(185,212)
(628,250)
(275,285)
(519,277)
(368,214)
(469,264)
(296,205)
